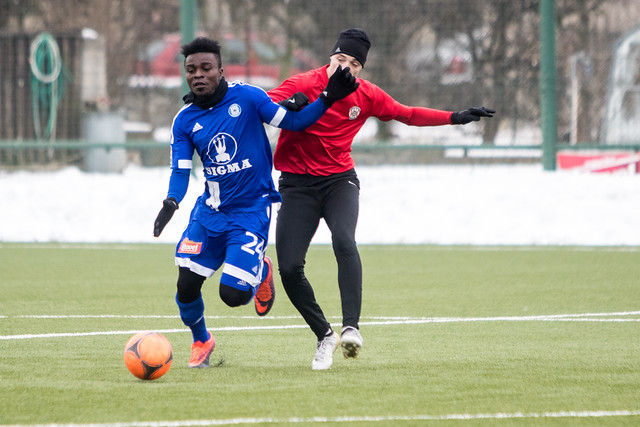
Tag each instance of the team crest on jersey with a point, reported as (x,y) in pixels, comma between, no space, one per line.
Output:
(222,148)
(354,112)
(189,247)
(234,110)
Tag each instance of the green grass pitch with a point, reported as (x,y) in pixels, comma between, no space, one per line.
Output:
(456,336)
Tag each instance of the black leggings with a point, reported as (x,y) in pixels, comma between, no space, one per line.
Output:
(190,284)
(305,200)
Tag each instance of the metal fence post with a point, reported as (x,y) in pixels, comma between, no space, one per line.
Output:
(187,24)
(548,83)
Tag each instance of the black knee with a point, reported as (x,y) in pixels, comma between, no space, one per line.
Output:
(234,297)
(344,246)
(189,285)
(291,273)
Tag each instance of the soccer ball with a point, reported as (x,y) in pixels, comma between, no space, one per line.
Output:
(148,355)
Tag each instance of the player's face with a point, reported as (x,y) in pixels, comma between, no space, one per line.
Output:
(345,61)
(203,72)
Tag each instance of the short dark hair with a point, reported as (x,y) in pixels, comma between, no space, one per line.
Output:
(202,44)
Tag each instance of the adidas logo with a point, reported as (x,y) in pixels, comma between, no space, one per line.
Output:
(196,127)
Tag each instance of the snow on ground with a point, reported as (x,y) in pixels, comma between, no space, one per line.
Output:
(475,205)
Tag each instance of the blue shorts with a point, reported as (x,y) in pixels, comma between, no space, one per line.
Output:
(238,240)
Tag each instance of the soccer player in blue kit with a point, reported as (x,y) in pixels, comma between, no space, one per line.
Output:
(229,224)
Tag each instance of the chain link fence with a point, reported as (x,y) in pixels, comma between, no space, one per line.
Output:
(122,58)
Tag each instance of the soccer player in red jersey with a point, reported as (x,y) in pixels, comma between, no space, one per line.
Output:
(318,180)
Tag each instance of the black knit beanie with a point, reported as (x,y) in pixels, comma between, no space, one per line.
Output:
(354,42)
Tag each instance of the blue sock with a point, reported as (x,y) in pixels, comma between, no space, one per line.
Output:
(192,315)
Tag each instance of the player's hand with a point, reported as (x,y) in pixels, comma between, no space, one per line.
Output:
(169,206)
(295,102)
(471,115)
(340,85)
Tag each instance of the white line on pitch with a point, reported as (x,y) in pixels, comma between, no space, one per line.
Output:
(597,317)
(355,419)
(543,316)
(135,331)
(398,318)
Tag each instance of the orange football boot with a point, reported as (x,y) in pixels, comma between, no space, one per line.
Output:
(266,293)
(200,352)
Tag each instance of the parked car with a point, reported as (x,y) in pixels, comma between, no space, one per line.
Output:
(449,59)
(263,64)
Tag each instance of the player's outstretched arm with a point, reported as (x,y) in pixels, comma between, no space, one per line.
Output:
(471,115)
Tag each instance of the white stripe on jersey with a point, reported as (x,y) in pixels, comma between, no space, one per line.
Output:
(278,117)
(185,164)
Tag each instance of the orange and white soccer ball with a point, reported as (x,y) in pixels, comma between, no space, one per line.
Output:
(148,355)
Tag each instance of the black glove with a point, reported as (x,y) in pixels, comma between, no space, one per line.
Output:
(296,102)
(169,206)
(340,85)
(471,115)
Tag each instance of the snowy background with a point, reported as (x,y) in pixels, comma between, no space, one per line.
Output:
(476,205)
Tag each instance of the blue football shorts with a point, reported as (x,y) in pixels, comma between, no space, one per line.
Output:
(238,240)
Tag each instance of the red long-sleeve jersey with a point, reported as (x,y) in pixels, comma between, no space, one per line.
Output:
(324,148)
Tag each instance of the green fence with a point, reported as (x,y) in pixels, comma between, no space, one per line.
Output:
(552,70)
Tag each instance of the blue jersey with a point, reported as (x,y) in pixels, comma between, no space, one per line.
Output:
(232,143)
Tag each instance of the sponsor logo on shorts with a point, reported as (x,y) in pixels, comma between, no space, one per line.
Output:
(189,247)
